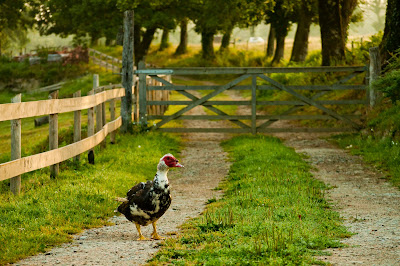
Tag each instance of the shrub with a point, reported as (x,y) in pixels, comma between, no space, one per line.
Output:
(389,84)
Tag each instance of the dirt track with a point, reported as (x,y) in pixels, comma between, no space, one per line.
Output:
(369,205)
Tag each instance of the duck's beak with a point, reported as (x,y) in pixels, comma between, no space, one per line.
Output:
(178,164)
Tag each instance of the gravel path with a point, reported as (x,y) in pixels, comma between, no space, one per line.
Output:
(369,205)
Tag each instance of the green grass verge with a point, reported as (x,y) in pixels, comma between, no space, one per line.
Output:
(383,152)
(379,143)
(273,212)
(49,211)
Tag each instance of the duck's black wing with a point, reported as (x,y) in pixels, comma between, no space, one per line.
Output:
(140,196)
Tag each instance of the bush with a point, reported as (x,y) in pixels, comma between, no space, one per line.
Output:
(13,74)
(389,84)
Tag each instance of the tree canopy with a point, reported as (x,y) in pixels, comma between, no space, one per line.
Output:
(103,18)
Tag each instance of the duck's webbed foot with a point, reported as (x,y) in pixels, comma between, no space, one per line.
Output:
(141,237)
(155,235)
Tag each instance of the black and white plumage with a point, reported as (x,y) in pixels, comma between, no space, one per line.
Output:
(146,202)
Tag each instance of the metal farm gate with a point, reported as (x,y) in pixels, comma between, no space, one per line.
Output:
(303,96)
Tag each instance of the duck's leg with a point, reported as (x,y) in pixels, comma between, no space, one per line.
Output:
(155,235)
(141,237)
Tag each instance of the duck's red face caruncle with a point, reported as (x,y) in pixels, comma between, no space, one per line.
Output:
(171,161)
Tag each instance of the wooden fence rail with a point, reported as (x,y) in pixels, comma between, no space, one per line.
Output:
(110,63)
(17,110)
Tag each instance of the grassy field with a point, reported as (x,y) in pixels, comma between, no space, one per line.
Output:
(273,212)
(49,211)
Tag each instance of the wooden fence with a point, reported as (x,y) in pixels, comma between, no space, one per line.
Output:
(108,62)
(17,110)
(97,128)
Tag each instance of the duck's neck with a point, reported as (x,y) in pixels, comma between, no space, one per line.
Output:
(161,179)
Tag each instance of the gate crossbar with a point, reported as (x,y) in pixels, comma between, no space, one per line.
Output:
(314,97)
(202,100)
(194,98)
(309,101)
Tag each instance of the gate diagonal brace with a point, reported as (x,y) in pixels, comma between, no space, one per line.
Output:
(194,98)
(202,100)
(314,97)
(309,101)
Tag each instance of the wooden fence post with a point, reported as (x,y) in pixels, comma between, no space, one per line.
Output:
(98,108)
(100,116)
(90,131)
(103,112)
(374,72)
(106,62)
(53,136)
(142,96)
(77,125)
(254,105)
(112,115)
(15,184)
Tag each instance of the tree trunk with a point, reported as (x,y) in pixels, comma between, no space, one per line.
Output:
(332,39)
(207,38)
(164,40)
(280,48)
(109,41)
(95,36)
(391,36)
(346,11)
(182,47)
(226,38)
(136,38)
(144,45)
(271,42)
(281,27)
(300,45)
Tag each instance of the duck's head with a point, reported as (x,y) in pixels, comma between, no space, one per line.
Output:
(170,161)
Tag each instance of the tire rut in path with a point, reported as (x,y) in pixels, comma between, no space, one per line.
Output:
(205,166)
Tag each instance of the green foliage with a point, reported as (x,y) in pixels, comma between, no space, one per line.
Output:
(273,212)
(228,58)
(12,14)
(389,84)
(48,210)
(80,18)
(394,62)
(359,54)
(14,74)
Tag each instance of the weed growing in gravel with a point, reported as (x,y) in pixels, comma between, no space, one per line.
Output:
(273,212)
(49,211)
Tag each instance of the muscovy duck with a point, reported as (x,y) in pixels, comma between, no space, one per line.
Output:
(146,202)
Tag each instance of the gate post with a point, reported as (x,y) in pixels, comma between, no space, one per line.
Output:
(142,95)
(254,104)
